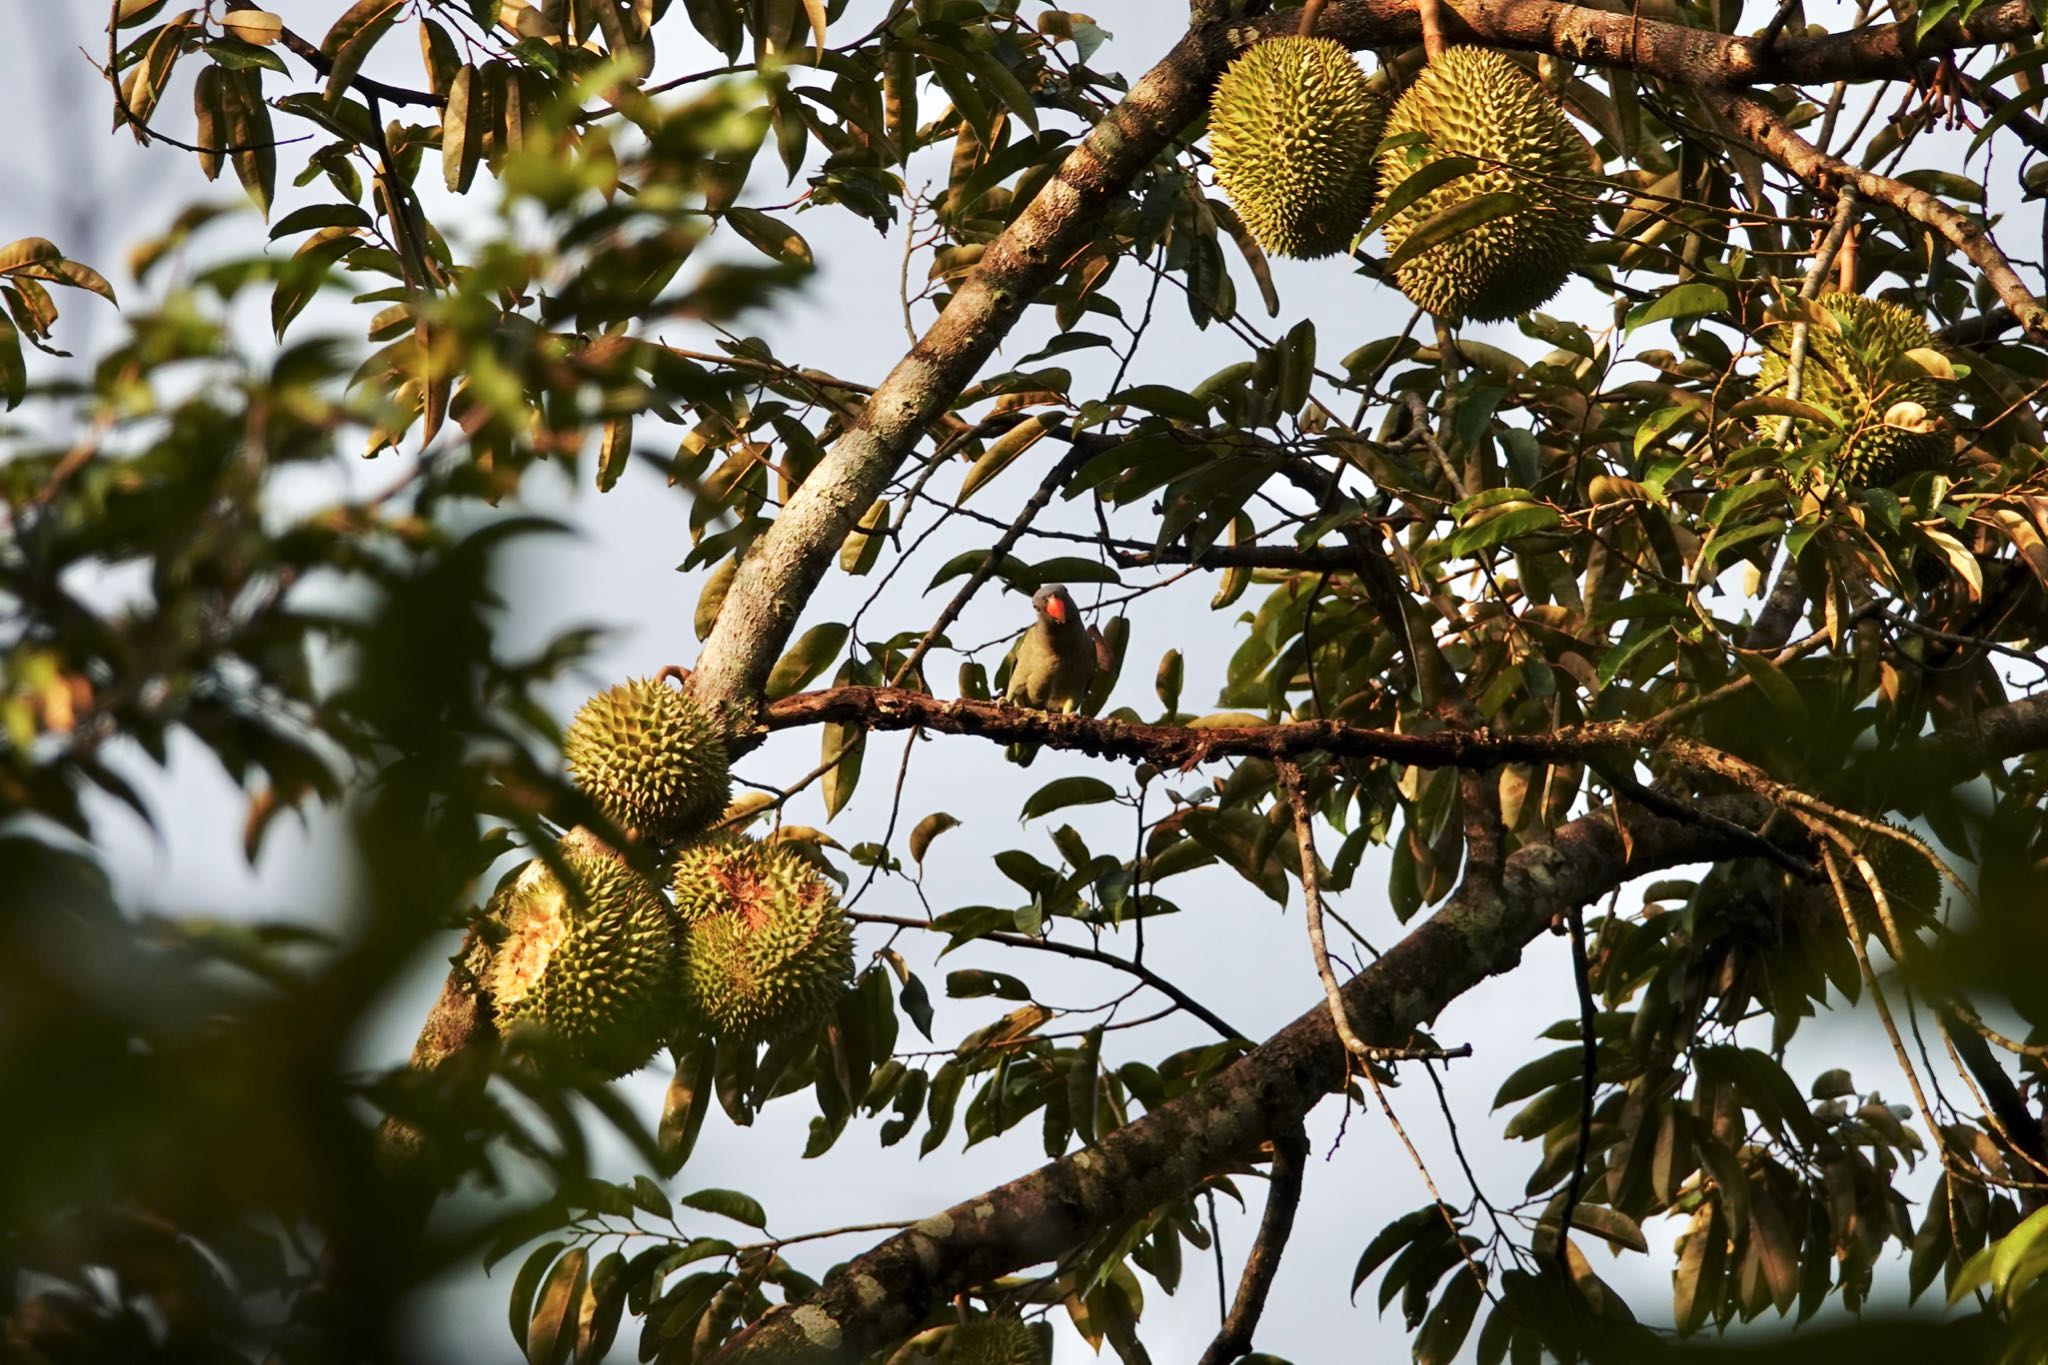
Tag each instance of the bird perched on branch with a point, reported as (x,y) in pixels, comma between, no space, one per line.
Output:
(1054,663)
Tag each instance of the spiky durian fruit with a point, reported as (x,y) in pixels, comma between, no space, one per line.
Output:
(592,962)
(652,758)
(997,1341)
(1893,414)
(767,950)
(1912,883)
(1292,131)
(1471,102)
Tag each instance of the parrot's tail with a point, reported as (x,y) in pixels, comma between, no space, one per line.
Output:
(1021,754)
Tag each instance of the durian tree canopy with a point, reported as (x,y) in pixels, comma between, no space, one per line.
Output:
(1558,809)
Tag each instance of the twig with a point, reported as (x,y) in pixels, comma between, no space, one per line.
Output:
(1047,945)
(1077,455)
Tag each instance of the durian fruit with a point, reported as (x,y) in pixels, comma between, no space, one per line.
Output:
(1472,102)
(591,963)
(652,758)
(1891,426)
(997,1341)
(1291,132)
(1913,885)
(767,951)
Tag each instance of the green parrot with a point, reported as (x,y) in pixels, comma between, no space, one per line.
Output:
(1054,664)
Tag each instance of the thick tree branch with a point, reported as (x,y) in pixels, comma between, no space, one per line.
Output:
(1479,932)
(1183,746)
(880,1296)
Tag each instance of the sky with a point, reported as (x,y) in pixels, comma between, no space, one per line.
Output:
(95,194)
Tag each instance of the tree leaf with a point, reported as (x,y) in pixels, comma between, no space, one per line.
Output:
(526,1284)
(1680,301)
(741,1208)
(1454,221)
(770,236)
(928,829)
(349,42)
(552,1335)
(462,130)
(1067,791)
(253,26)
(811,655)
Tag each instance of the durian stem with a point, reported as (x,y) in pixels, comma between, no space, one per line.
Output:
(1430,12)
(1309,11)
(1823,260)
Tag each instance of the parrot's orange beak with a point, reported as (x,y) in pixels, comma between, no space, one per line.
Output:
(1056,608)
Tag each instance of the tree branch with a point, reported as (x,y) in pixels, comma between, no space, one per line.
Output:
(1478,933)
(1283,1197)
(1763,125)
(1183,746)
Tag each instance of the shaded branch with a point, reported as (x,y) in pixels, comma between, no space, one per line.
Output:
(1283,1196)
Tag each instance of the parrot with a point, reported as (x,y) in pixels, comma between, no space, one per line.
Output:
(1055,662)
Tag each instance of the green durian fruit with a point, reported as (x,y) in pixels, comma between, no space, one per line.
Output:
(767,951)
(1893,413)
(1913,884)
(652,758)
(1291,132)
(997,1341)
(593,963)
(1476,103)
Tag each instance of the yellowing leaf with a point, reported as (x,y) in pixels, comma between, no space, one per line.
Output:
(253,26)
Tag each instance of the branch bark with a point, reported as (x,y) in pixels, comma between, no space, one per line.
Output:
(1283,1196)
(1480,932)
(1183,746)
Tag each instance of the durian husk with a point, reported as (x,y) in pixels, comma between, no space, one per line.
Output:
(592,962)
(767,950)
(1472,102)
(1891,427)
(652,758)
(1291,134)
(997,1341)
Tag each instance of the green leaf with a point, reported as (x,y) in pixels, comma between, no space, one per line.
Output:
(741,1208)
(1164,400)
(928,829)
(810,656)
(770,236)
(1390,1239)
(970,983)
(1454,221)
(1436,173)
(1611,1224)
(1683,301)
(1067,791)
(1502,526)
(462,130)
